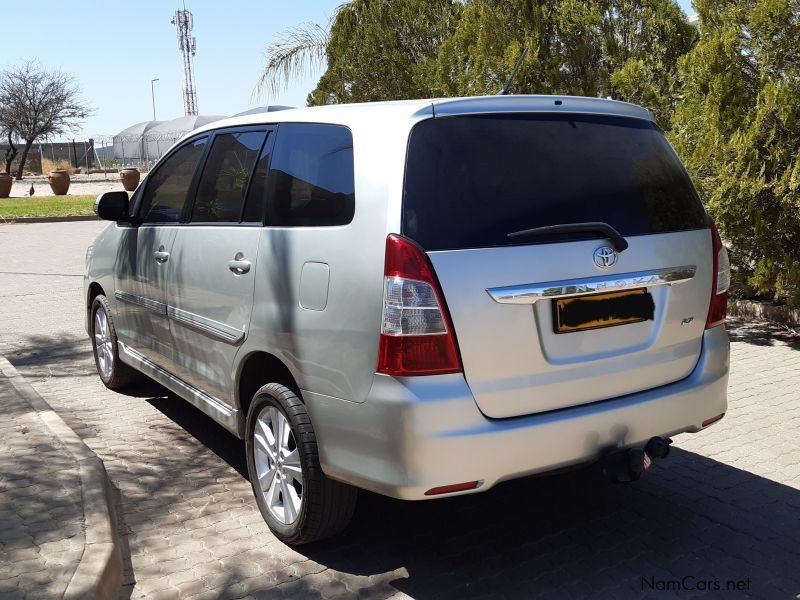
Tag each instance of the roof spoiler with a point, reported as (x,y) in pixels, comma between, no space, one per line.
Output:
(263,109)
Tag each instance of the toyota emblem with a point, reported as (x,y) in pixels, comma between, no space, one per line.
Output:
(605,257)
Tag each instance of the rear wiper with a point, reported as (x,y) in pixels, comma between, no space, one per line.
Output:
(607,230)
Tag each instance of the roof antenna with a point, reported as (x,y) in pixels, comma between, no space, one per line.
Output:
(507,86)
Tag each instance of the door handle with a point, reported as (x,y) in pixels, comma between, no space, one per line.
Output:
(239,265)
(161,256)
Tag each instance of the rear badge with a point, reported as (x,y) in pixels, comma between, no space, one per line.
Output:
(605,257)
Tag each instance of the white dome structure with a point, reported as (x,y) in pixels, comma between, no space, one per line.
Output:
(128,142)
(160,138)
(149,140)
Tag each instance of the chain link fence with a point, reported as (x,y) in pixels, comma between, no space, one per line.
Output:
(140,151)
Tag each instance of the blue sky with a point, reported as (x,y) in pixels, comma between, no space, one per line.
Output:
(114,49)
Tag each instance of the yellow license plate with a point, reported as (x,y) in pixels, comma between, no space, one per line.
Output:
(607,309)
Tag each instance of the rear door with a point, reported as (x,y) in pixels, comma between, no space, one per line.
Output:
(145,251)
(214,260)
(527,346)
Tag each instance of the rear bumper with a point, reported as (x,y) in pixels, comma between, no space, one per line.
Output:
(413,434)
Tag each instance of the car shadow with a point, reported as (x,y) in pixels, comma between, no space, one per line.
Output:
(206,431)
(762,333)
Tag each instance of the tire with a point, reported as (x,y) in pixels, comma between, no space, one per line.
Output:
(113,372)
(325,506)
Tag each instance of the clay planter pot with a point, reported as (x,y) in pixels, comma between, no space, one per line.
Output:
(130,178)
(59,182)
(5,185)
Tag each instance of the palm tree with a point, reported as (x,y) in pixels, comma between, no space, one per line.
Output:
(297,52)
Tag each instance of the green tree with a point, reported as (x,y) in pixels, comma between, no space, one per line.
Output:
(394,49)
(384,49)
(737,126)
(626,49)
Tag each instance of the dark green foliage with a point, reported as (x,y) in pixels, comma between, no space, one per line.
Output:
(727,96)
(384,50)
(381,49)
(737,126)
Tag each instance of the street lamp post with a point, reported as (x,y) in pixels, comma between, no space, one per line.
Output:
(153,96)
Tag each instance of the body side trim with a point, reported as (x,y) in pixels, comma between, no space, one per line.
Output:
(147,303)
(215,329)
(220,331)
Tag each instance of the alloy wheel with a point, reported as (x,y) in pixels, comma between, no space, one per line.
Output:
(103,343)
(277,462)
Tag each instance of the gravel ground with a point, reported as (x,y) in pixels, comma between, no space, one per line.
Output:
(93,184)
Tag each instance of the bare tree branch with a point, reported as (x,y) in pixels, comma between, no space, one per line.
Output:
(38,103)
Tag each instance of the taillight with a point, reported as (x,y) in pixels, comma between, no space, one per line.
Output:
(721,281)
(417,336)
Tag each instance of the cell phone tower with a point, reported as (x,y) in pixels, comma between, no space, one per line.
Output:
(187,44)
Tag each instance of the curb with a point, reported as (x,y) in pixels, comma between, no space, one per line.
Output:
(21,220)
(99,573)
(764,311)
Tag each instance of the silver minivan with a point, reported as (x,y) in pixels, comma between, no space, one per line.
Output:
(419,298)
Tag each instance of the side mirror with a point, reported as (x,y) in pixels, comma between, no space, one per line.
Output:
(112,206)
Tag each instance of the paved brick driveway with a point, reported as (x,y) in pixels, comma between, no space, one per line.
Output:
(725,505)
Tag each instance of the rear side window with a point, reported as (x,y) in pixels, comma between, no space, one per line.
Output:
(470,181)
(311,181)
(223,185)
(168,186)
(256,195)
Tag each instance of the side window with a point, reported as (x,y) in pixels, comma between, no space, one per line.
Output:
(256,196)
(311,176)
(223,184)
(167,188)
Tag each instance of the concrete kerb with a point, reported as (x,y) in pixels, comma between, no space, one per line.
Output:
(21,220)
(99,573)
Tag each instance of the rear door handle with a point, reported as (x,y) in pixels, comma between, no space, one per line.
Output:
(161,256)
(239,265)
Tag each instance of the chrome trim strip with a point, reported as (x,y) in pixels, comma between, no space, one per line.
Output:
(153,305)
(220,331)
(216,409)
(215,329)
(529,293)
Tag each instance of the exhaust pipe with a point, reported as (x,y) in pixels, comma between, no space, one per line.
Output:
(629,464)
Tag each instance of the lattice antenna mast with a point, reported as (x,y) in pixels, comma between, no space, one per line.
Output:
(187,44)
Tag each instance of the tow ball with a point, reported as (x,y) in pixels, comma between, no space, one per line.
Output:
(629,464)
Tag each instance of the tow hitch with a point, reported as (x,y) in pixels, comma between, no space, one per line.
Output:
(629,464)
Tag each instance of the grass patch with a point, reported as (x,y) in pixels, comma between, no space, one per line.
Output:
(46,206)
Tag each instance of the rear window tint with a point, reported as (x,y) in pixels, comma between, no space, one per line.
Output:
(311,176)
(472,180)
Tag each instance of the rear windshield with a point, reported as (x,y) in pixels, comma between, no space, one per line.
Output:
(472,180)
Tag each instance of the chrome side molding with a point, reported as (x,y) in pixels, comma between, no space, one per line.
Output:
(529,293)
(220,331)
(149,304)
(214,329)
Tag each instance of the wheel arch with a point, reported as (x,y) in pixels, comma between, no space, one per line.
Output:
(257,369)
(94,290)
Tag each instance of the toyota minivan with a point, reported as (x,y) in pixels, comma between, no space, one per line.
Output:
(419,298)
